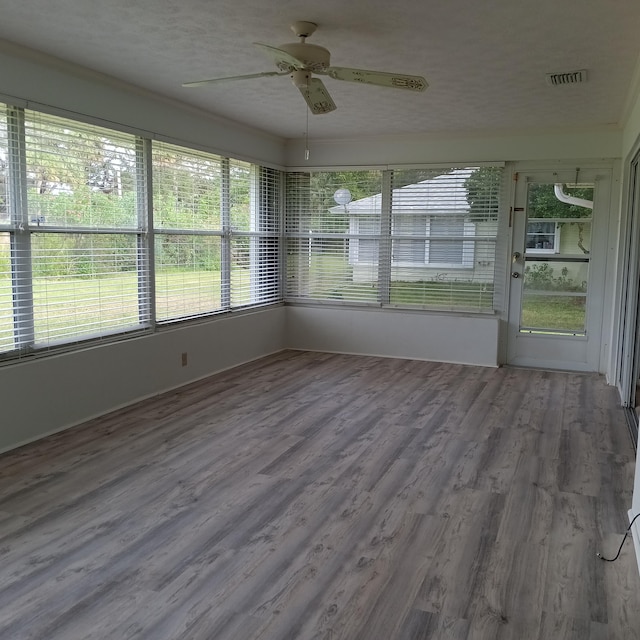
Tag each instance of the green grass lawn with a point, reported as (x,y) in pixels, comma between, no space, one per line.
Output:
(65,306)
(561,313)
(330,277)
(432,295)
(81,306)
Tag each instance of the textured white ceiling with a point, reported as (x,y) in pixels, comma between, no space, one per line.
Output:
(485,61)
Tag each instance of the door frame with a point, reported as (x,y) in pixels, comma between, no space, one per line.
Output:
(579,353)
(628,352)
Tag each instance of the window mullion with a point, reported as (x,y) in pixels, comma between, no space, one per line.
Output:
(225,249)
(384,252)
(21,269)
(146,238)
(257,207)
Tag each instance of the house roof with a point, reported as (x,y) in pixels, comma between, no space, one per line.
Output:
(442,195)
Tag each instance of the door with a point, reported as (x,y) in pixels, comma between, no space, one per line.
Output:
(557,270)
(629,354)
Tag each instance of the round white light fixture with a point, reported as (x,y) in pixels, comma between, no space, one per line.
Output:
(342,196)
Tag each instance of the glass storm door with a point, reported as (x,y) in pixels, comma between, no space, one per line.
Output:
(556,271)
(629,354)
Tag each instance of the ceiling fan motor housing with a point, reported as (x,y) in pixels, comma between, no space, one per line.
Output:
(314,57)
(301,78)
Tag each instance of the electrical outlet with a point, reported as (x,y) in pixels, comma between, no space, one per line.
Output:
(184,359)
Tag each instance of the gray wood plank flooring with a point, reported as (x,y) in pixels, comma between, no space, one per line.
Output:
(315,496)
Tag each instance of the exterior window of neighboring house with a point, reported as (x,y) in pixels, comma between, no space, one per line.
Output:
(435,241)
(365,250)
(543,236)
(446,251)
(409,250)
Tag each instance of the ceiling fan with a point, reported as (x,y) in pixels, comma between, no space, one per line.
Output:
(300,60)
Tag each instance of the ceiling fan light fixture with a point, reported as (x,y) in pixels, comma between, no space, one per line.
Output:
(301,78)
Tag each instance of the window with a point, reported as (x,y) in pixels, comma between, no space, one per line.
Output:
(83,257)
(254,230)
(75,199)
(333,245)
(443,243)
(187,218)
(415,237)
(6,293)
(543,236)
(363,249)
(405,249)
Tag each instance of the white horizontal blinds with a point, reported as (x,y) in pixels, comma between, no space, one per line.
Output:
(79,175)
(82,256)
(243,221)
(84,285)
(443,233)
(78,251)
(7,342)
(333,235)
(4,169)
(255,204)
(187,215)
(186,188)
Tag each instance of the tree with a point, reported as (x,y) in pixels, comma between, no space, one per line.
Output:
(543,203)
(322,187)
(483,193)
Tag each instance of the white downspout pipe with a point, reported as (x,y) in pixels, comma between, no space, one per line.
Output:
(558,189)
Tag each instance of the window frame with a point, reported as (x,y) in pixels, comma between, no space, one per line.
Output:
(556,237)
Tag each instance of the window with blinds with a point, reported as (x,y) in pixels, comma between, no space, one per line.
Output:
(255,207)
(188,229)
(420,238)
(216,228)
(7,342)
(333,235)
(83,257)
(73,203)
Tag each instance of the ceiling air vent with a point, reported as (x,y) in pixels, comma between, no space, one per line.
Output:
(571,77)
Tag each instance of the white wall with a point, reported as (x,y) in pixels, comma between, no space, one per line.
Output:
(632,122)
(49,394)
(421,149)
(398,334)
(30,76)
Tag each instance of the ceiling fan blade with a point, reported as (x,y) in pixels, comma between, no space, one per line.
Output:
(317,97)
(284,61)
(379,78)
(264,74)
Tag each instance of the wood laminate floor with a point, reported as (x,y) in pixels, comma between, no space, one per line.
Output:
(321,497)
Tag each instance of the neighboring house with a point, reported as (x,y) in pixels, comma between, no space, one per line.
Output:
(433,237)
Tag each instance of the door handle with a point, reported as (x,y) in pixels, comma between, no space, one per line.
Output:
(515,274)
(516,256)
